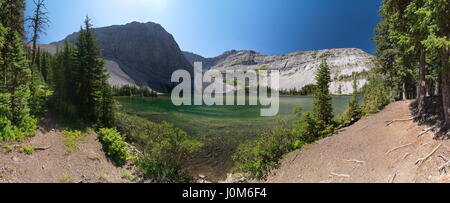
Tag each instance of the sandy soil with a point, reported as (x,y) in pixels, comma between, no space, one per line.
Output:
(358,154)
(53,165)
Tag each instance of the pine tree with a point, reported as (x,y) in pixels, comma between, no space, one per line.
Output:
(107,111)
(2,38)
(418,32)
(435,17)
(19,83)
(44,66)
(94,95)
(322,99)
(354,109)
(11,17)
(4,97)
(15,119)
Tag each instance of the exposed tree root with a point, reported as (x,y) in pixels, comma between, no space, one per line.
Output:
(443,168)
(355,161)
(397,148)
(406,155)
(393,177)
(422,160)
(340,175)
(398,120)
(425,131)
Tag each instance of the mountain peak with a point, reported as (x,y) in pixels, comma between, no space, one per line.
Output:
(145,52)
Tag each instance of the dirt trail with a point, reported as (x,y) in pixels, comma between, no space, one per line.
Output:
(53,165)
(358,154)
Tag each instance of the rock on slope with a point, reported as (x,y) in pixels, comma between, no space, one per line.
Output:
(298,69)
(144,54)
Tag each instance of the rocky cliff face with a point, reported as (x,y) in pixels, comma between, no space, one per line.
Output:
(146,55)
(298,69)
(143,54)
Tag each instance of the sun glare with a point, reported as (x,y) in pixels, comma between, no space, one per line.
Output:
(155,4)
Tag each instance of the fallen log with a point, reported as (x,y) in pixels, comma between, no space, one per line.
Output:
(41,148)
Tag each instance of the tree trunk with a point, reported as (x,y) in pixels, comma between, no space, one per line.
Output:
(422,85)
(445,77)
(439,85)
(404,91)
(446,99)
(33,57)
(5,67)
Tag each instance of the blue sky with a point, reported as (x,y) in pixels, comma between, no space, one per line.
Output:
(210,27)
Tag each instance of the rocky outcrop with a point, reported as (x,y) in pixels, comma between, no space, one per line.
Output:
(298,69)
(144,54)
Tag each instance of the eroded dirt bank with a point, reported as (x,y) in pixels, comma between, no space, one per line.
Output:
(370,151)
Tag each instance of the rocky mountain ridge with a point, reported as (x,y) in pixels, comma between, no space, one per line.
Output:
(142,54)
(298,69)
(146,55)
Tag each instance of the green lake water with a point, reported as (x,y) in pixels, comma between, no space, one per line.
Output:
(221,128)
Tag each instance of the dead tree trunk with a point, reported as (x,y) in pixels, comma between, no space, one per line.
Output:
(38,21)
(33,57)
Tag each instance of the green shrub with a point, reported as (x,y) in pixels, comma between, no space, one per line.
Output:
(27,149)
(351,114)
(39,100)
(129,176)
(11,133)
(114,145)
(307,128)
(164,147)
(70,140)
(376,95)
(257,158)
(7,148)
(26,126)
(67,178)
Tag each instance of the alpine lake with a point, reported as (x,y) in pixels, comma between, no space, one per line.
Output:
(220,128)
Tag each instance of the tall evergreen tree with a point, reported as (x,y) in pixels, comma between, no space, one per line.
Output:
(418,33)
(11,17)
(18,86)
(107,111)
(322,99)
(354,109)
(434,15)
(94,94)
(15,119)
